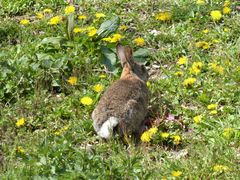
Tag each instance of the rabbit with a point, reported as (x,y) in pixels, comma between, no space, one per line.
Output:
(123,106)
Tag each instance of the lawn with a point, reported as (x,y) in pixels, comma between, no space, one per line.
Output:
(56,60)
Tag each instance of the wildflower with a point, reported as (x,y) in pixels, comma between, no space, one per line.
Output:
(20,149)
(163,16)
(20,122)
(227,132)
(226,29)
(178,73)
(202,44)
(197,119)
(113,39)
(69,9)
(153,130)
(47,10)
(100,15)
(39,15)
(62,130)
(92,32)
(213,112)
(146,137)
(200,2)
(102,76)
(212,106)
(226,10)
(148,84)
(55,20)
(205,31)
(216,15)
(164,135)
(182,60)
(78,30)
(176,173)
(24,22)
(86,100)
(139,41)
(196,68)
(123,27)
(216,68)
(72,80)
(176,139)
(220,168)
(98,88)
(82,17)
(189,81)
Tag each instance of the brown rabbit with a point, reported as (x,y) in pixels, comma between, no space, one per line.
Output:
(124,104)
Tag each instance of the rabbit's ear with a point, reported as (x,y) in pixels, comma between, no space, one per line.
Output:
(124,54)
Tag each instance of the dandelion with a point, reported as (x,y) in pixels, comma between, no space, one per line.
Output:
(182,60)
(205,31)
(176,139)
(197,119)
(123,27)
(220,168)
(189,82)
(202,44)
(178,73)
(78,30)
(216,15)
(164,135)
(196,68)
(228,132)
(72,80)
(213,112)
(226,29)
(39,15)
(55,20)
(139,41)
(86,100)
(163,16)
(212,106)
(98,88)
(47,10)
(200,2)
(20,149)
(113,39)
(153,130)
(82,17)
(20,122)
(226,10)
(176,173)
(24,22)
(92,32)
(62,130)
(148,84)
(216,68)
(102,76)
(99,15)
(69,9)
(146,137)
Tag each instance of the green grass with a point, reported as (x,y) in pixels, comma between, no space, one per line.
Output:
(57,140)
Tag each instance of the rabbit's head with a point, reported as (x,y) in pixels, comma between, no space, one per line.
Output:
(130,67)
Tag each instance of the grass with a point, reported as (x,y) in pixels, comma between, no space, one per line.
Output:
(56,140)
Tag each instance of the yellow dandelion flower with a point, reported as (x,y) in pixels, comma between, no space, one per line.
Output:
(107,39)
(69,9)
(205,31)
(55,20)
(228,132)
(86,100)
(200,2)
(139,41)
(212,106)
(182,60)
(116,37)
(152,130)
(146,137)
(20,122)
(213,112)
(216,15)
(226,29)
(78,30)
(176,173)
(196,68)
(82,17)
(178,73)
(98,88)
(189,81)
(148,84)
(216,68)
(197,119)
(123,27)
(57,133)
(226,10)
(99,15)
(102,76)
(72,80)
(202,44)
(47,10)
(164,135)
(226,3)
(176,139)
(92,32)
(163,16)
(20,149)
(24,22)
(39,15)
(220,168)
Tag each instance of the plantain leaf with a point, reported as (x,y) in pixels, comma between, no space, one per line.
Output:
(108,27)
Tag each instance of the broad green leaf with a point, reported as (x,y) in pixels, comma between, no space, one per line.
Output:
(52,40)
(141,55)
(108,27)
(109,58)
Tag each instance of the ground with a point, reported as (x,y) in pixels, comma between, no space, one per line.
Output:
(56,61)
